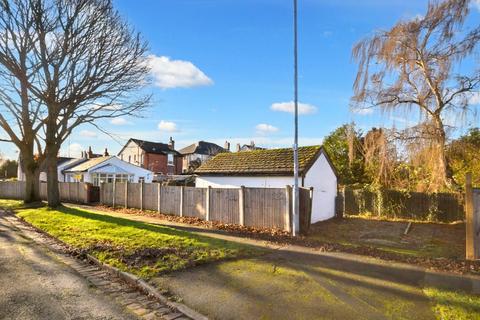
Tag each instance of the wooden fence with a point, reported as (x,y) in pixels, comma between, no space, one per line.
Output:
(437,207)
(12,190)
(253,207)
(69,192)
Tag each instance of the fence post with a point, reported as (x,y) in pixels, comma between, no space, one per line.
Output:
(141,195)
(114,193)
(78,191)
(126,194)
(288,208)
(471,215)
(181,201)
(207,204)
(241,205)
(159,192)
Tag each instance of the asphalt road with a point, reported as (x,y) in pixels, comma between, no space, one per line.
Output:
(36,285)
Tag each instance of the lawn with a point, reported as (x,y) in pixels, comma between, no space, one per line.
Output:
(429,240)
(140,248)
(11,204)
(449,305)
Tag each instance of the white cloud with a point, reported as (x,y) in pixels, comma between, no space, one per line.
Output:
(88,134)
(105,107)
(475,97)
(264,128)
(327,34)
(303,108)
(168,126)
(476,4)
(176,73)
(362,111)
(73,150)
(119,121)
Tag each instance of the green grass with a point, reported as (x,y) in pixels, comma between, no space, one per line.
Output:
(140,248)
(449,305)
(10,204)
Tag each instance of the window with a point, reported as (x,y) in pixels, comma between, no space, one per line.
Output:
(99,178)
(170,159)
(130,159)
(135,158)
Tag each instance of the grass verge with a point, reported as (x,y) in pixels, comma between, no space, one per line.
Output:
(140,248)
(11,204)
(449,305)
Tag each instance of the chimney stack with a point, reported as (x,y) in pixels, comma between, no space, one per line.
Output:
(171,144)
(90,153)
(238,147)
(105,153)
(227,146)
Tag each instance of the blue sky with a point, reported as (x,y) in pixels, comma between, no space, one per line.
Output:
(222,66)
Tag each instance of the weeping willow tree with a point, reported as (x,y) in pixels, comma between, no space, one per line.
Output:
(412,68)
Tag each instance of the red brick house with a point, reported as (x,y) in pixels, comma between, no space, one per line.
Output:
(161,158)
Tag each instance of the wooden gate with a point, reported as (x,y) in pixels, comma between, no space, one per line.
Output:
(93,194)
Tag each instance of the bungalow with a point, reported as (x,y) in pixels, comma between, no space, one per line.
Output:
(107,169)
(196,154)
(273,168)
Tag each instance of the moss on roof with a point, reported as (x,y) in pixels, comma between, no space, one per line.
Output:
(271,161)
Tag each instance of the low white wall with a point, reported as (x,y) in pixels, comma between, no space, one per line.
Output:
(236,182)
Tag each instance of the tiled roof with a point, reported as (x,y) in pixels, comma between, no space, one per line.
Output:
(256,162)
(202,147)
(154,147)
(84,166)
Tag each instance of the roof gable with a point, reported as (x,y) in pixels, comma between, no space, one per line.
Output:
(202,147)
(150,147)
(84,166)
(260,162)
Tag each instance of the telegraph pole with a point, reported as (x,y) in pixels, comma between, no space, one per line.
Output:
(296,193)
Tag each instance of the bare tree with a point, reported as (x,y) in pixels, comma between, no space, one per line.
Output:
(412,67)
(88,65)
(20,114)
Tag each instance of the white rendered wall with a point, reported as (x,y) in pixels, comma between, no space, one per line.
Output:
(324,182)
(236,182)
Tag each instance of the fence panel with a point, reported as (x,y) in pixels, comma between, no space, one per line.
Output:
(150,196)
(106,194)
(265,207)
(170,200)
(195,202)
(133,194)
(441,207)
(224,205)
(12,190)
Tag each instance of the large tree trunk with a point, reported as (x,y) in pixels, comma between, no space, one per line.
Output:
(442,174)
(31,170)
(53,194)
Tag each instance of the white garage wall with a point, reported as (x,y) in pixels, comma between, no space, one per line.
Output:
(236,182)
(324,182)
